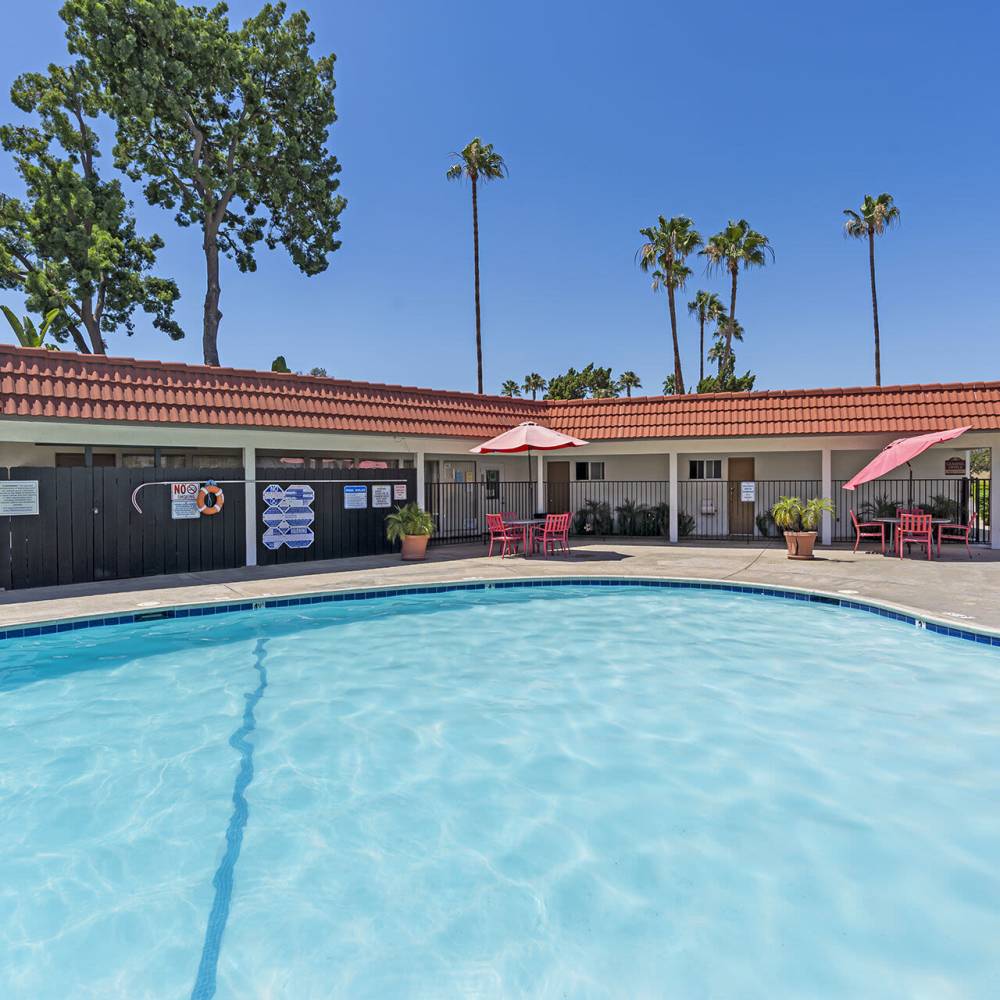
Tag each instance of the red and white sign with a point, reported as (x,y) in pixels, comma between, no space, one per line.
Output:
(184,501)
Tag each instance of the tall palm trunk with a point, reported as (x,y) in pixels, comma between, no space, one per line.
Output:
(871,268)
(475,252)
(731,325)
(701,348)
(678,374)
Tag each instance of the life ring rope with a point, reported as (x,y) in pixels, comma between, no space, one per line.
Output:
(210,498)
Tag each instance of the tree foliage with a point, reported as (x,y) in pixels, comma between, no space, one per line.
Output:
(29,335)
(592,381)
(225,127)
(510,388)
(71,243)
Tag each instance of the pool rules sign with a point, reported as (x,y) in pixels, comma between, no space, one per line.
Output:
(288,516)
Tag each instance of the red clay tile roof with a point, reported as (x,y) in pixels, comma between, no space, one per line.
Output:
(56,385)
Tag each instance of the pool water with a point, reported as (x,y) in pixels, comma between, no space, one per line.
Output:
(556,792)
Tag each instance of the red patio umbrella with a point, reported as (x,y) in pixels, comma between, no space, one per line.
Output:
(900,452)
(528,437)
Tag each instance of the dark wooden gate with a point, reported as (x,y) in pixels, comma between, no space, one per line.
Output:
(338,532)
(87,529)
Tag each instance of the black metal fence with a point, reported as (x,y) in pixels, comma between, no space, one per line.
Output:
(460,509)
(87,530)
(710,509)
(735,509)
(637,507)
(953,498)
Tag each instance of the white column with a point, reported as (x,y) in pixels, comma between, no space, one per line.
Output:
(250,500)
(826,465)
(674,512)
(995,494)
(540,486)
(420,465)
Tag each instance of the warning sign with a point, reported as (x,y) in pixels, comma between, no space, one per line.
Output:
(381,495)
(355,498)
(289,516)
(399,491)
(184,501)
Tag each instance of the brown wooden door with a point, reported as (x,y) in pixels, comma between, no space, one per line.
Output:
(740,511)
(557,481)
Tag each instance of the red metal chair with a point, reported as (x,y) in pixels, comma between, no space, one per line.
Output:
(518,529)
(914,528)
(554,532)
(509,538)
(961,531)
(868,529)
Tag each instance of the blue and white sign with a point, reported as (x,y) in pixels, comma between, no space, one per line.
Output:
(289,516)
(355,498)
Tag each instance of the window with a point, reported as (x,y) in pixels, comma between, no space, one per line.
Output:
(589,471)
(705,468)
(137,461)
(492,484)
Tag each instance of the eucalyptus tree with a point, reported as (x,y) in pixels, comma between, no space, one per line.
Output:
(477,162)
(874,218)
(629,381)
(708,307)
(534,383)
(667,246)
(228,128)
(737,246)
(510,388)
(71,244)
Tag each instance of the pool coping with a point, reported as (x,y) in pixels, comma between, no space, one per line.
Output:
(884,609)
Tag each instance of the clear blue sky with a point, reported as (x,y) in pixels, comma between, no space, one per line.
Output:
(609,115)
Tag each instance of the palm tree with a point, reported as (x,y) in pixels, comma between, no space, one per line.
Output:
(510,388)
(876,216)
(668,245)
(717,351)
(534,383)
(478,162)
(628,382)
(735,246)
(708,307)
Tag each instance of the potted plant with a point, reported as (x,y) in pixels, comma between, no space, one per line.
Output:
(411,526)
(798,520)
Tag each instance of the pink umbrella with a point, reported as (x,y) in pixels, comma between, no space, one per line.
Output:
(527,437)
(899,452)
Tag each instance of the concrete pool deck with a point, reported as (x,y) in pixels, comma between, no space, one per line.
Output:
(953,589)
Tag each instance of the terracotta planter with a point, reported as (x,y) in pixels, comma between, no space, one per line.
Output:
(800,544)
(415,546)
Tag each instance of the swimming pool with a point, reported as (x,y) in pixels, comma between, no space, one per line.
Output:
(546,792)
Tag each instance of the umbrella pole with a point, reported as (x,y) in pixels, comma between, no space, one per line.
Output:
(909,499)
(531,503)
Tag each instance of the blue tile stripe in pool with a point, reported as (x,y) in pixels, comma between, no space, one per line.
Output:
(204,986)
(29,631)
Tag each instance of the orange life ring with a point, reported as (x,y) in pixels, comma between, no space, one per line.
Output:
(210,499)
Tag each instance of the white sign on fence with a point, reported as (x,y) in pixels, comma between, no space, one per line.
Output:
(184,501)
(19,498)
(288,517)
(399,491)
(381,495)
(355,498)
(748,492)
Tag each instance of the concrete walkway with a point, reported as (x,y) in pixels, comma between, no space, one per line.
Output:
(953,589)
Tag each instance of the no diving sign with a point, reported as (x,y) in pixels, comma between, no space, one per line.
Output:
(184,501)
